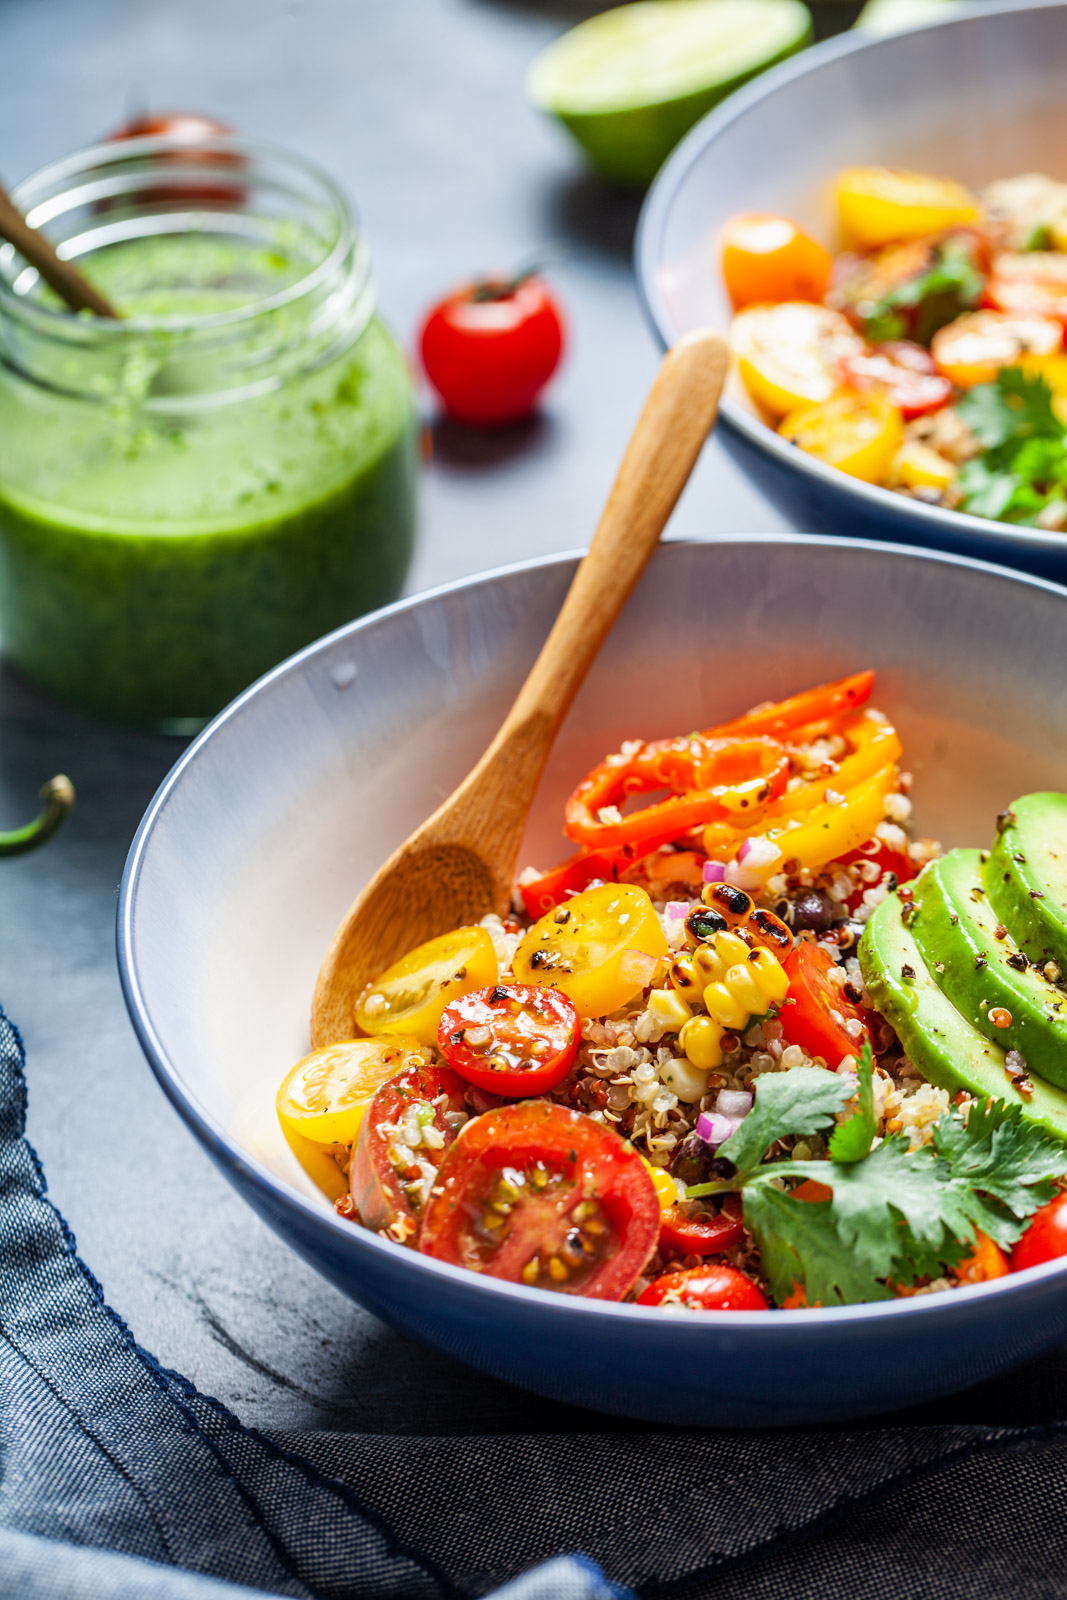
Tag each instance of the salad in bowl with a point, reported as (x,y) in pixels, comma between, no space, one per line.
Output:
(754,1045)
(927,354)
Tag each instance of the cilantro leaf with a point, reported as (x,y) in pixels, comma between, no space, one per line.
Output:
(997,1163)
(986,492)
(802,1101)
(851,1140)
(952,283)
(800,1247)
(1013,408)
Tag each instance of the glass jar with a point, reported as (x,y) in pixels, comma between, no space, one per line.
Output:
(191,493)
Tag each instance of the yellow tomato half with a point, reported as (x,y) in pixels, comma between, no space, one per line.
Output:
(768,258)
(600,948)
(788,355)
(857,433)
(917,466)
(324,1096)
(881,205)
(974,348)
(411,995)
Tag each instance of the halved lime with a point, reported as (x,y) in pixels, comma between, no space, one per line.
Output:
(890,16)
(630,82)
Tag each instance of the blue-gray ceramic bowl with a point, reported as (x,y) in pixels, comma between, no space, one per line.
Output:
(978,95)
(288,802)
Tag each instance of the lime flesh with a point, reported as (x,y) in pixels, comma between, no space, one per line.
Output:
(629,83)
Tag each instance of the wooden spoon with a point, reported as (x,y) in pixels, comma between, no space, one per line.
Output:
(460,864)
(60,275)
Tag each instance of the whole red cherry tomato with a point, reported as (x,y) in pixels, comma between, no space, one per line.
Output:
(536,1194)
(702,1233)
(513,1039)
(191,129)
(489,348)
(1046,1237)
(707,1288)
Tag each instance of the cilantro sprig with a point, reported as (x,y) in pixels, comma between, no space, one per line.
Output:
(920,305)
(1023,465)
(894,1215)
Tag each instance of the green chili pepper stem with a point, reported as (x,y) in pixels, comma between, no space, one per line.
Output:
(58,797)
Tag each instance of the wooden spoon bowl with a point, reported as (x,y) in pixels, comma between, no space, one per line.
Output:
(460,863)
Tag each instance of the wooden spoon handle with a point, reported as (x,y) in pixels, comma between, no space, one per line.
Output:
(60,275)
(492,803)
(663,450)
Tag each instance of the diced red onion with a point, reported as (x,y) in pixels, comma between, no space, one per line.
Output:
(676,910)
(734,1103)
(756,860)
(714,872)
(715,1129)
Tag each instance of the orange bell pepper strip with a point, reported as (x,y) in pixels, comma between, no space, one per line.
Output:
(785,717)
(712,779)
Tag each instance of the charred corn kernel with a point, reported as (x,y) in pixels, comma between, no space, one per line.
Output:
(742,984)
(723,1008)
(664,1185)
(770,975)
(769,931)
(683,975)
(916,466)
(734,905)
(669,1009)
(701,1041)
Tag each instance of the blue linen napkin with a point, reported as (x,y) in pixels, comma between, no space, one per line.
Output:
(117,1478)
(138,1474)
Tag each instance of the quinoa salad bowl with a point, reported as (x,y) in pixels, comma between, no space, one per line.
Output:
(815,1092)
(972,100)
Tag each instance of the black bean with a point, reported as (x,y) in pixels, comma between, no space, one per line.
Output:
(812,910)
(694,1161)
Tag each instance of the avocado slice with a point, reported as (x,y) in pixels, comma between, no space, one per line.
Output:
(942,1044)
(956,930)
(1026,875)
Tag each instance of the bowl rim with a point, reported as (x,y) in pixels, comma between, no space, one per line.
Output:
(280,1196)
(938,521)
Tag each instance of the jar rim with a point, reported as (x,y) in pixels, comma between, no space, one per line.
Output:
(40,191)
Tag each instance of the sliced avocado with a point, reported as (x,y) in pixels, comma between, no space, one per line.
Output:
(942,1044)
(1026,875)
(988,979)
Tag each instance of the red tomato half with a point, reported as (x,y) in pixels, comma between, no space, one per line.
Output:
(707,1288)
(385,1192)
(1046,1237)
(903,372)
(489,349)
(191,129)
(540,1195)
(702,1233)
(1029,283)
(815,1011)
(886,860)
(512,1039)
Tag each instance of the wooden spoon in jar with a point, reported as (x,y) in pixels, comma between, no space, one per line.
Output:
(40,252)
(460,864)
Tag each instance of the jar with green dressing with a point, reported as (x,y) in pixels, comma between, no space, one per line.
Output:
(191,492)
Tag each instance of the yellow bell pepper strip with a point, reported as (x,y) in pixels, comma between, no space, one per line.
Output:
(832,830)
(874,746)
(710,779)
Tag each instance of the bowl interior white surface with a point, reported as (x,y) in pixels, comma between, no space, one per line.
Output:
(972,97)
(293,798)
